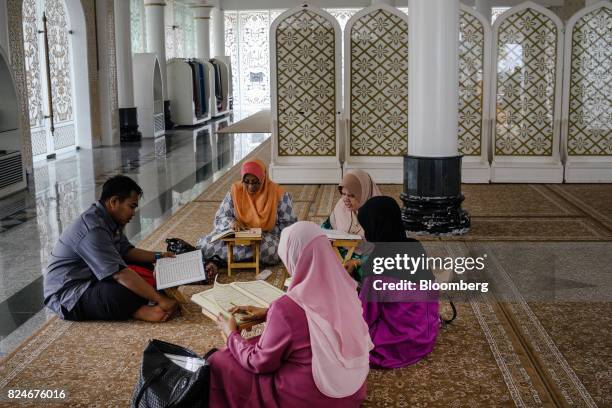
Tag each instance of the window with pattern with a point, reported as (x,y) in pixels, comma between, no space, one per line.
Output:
(180,31)
(137,26)
(496,12)
(247,44)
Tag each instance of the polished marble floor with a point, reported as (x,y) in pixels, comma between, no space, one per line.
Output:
(172,170)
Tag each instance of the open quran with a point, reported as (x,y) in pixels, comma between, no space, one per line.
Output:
(185,268)
(222,297)
(340,235)
(247,233)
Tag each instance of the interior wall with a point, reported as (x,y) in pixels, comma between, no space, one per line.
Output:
(568,9)
(3,26)
(15,41)
(85,47)
(9,114)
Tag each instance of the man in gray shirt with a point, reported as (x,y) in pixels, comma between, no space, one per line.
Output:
(88,277)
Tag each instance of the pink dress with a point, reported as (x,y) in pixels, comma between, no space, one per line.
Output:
(274,369)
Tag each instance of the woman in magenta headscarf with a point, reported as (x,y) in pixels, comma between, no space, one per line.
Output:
(315,347)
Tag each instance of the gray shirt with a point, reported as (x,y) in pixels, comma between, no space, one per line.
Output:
(90,250)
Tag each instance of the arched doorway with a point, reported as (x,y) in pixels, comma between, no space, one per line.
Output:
(56,78)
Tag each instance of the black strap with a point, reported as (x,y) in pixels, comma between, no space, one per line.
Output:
(158,372)
(448,321)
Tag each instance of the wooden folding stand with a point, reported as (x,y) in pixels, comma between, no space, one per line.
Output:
(231,264)
(349,244)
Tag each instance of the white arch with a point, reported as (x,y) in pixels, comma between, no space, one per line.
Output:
(476,169)
(580,169)
(80,73)
(539,169)
(383,169)
(306,169)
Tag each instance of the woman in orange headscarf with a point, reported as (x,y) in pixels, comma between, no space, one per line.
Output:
(253,202)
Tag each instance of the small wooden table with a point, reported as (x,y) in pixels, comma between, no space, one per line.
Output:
(349,244)
(231,264)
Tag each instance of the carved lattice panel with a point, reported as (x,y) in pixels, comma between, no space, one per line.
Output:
(231,50)
(137,26)
(306,85)
(59,72)
(526,79)
(379,85)
(471,83)
(64,136)
(59,60)
(254,53)
(590,92)
(32,62)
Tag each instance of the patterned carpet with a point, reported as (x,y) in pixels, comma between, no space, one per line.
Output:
(499,351)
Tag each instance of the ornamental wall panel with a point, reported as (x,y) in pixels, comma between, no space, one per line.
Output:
(378,99)
(526,108)
(306,84)
(305,81)
(474,89)
(588,95)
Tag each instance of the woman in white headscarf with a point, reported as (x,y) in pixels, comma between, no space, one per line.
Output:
(356,188)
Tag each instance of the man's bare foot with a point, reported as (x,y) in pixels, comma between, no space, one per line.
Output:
(151,314)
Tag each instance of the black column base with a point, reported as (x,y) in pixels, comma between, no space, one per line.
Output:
(168,116)
(432,196)
(128,125)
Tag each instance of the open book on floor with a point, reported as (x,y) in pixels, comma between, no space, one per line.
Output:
(248,233)
(222,297)
(185,268)
(340,235)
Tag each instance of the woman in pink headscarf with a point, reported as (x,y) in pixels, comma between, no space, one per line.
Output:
(355,189)
(315,348)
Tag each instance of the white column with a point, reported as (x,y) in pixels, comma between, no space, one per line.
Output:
(433,78)
(201,14)
(108,127)
(218,32)
(156,36)
(484,8)
(123,45)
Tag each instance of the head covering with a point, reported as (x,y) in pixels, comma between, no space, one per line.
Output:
(359,183)
(381,219)
(254,168)
(257,210)
(321,287)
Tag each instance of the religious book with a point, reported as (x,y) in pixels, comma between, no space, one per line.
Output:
(184,268)
(340,235)
(230,233)
(222,297)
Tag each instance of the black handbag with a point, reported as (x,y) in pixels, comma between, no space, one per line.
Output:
(179,246)
(164,383)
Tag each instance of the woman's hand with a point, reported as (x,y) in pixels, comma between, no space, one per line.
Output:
(238,226)
(168,255)
(351,266)
(252,312)
(227,325)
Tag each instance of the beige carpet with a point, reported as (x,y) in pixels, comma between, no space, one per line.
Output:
(494,355)
(259,122)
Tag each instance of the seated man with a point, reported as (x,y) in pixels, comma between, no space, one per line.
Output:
(88,277)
